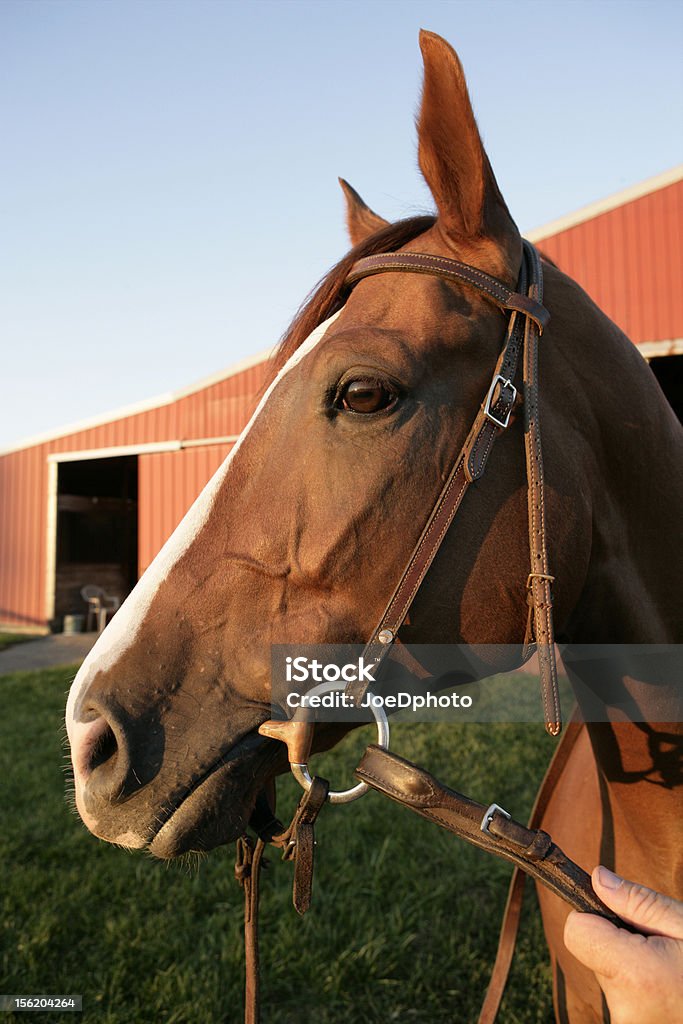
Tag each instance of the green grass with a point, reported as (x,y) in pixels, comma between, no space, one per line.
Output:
(10,639)
(404,921)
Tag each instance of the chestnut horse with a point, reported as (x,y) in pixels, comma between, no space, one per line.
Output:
(303,532)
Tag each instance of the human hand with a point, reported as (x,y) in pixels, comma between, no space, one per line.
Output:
(641,975)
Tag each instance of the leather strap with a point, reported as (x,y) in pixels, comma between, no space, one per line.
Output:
(495,409)
(513,907)
(539,580)
(531,849)
(525,325)
(297,843)
(443,266)
(507,940)
(248,863)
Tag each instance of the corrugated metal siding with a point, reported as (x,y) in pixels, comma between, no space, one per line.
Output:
(23,527)
(221,409)
(168,483)
(630,261)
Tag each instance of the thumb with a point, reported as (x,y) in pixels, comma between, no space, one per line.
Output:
(651,912)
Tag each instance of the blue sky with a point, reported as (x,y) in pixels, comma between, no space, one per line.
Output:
(168,188)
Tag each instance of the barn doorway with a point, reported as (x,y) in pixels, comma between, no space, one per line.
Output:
(669,372)
(97,530)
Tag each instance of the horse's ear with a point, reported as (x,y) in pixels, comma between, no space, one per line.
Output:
(360,219)
(451,155)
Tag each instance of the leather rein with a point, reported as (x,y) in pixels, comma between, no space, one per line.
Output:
(531,850)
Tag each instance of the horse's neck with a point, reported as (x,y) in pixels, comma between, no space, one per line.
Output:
(634,467)
(632,588)
(639,767)
(639,760)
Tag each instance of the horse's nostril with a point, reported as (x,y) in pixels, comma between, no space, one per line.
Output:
(101,759)
(109,765)
(93,745)
(104,749)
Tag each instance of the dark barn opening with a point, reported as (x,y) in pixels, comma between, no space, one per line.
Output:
(97,530)
(669,373)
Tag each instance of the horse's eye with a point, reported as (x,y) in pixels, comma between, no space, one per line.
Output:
(366,396)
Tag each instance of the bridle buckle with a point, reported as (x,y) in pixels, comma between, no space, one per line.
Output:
(488,817)
(504,384)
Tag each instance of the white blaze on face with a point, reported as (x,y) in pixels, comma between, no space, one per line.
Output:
(120,633)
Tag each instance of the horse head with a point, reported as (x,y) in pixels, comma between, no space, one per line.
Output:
(302,533)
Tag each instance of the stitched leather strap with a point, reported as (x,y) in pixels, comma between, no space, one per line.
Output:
(248,873)
(513,907)
(539,580)
(297,843)
(443,266)
(531,849)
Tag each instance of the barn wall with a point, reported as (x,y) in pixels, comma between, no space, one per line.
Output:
(630,261)
(168,482)
(23,528)
(224,408)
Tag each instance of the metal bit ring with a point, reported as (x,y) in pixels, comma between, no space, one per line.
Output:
(343,796)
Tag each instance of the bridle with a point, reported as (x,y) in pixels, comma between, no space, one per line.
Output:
(492,828)
(528,318)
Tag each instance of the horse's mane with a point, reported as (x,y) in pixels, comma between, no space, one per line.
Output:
(329,295)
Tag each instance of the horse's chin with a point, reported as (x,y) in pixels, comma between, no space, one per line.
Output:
(208,817)
(217,807)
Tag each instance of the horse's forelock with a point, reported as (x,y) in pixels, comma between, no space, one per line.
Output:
(328,296)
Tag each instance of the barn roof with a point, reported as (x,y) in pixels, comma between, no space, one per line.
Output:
(626,251)
(600,206)
(148,404)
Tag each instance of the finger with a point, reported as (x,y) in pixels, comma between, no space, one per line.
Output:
(600,945)
(649,911)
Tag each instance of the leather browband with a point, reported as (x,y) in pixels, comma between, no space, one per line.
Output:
(443,266)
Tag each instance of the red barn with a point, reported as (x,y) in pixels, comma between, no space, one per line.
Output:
(94,502)
(627,253)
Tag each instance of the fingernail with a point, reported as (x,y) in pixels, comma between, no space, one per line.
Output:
(608,878)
